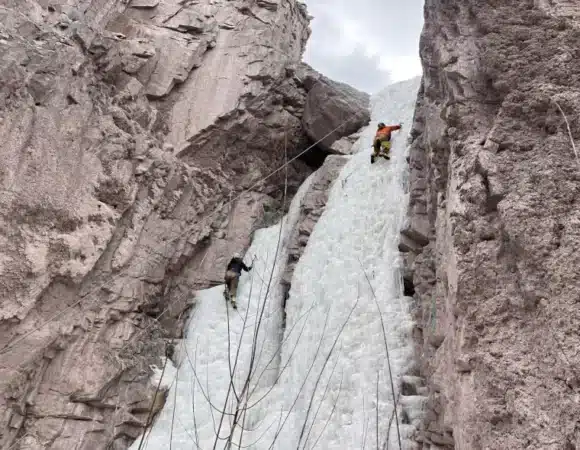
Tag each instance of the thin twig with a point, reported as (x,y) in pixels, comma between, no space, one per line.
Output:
(253,361)
(231,387)
(387,443)
(193,397)
(321,403)
(386,349)
(285,366)
(302,385)
(377,410)
(324,366)
(331,413)
(569,131)
(364,435)
(213,406)
(174,407)
(153,402)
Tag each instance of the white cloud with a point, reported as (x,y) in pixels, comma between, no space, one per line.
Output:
(402,67)
(366,43)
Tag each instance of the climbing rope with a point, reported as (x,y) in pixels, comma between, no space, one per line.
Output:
(11,345)
(237,197)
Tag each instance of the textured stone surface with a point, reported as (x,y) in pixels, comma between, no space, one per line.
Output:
(493,205)
(135,138)
(343,146)
(330,105)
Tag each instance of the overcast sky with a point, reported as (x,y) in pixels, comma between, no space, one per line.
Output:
(365,43)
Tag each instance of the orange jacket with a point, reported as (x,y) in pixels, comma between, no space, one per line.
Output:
(384,134)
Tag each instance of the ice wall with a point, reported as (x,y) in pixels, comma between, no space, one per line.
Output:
(346,281)
(222,341)
(317,376)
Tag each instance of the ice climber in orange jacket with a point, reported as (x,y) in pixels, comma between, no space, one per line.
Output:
(382,141)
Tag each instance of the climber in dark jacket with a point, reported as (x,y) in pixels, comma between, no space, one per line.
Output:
(232,276)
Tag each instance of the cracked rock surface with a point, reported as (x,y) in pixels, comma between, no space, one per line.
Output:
(491,242)
(135,138)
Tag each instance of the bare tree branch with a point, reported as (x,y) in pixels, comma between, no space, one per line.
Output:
(387,350)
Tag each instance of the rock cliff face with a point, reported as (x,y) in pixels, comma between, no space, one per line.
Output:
(138,141)
(493,226)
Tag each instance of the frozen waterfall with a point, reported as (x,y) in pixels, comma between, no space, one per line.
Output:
(315,375)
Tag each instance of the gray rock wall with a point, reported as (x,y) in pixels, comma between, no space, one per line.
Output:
(492,237)
(134,136)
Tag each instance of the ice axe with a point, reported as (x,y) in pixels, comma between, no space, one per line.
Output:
(253,259)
